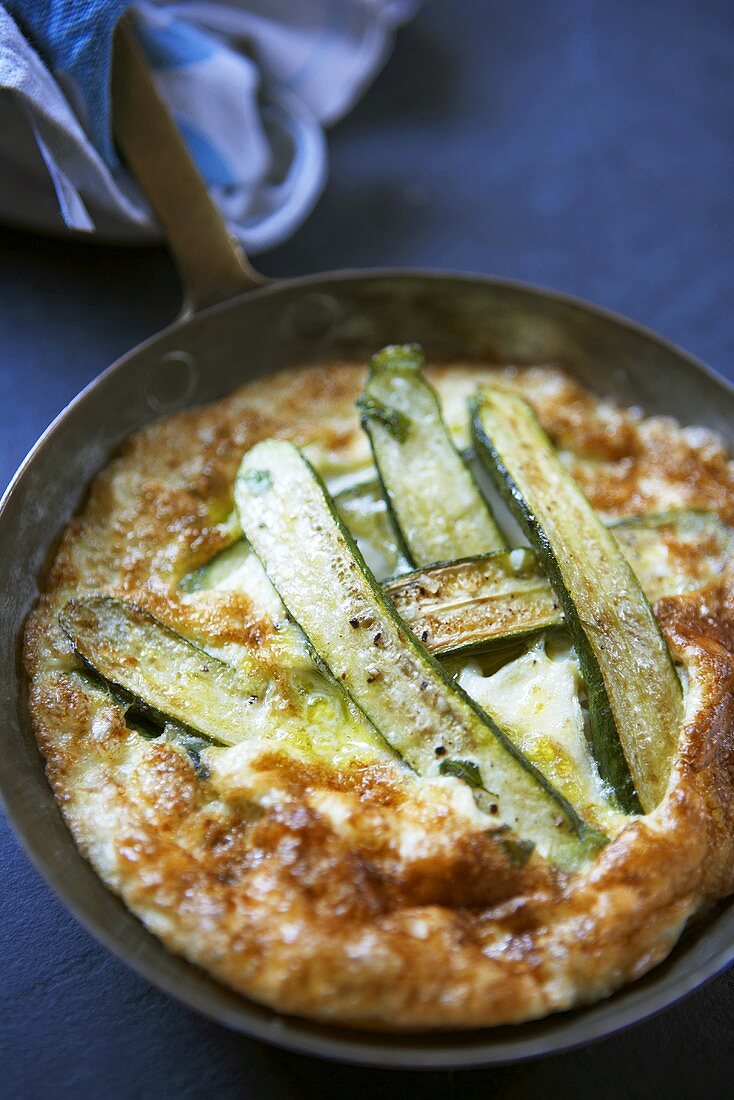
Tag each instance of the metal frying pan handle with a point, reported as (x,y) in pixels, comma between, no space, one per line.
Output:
(212,262)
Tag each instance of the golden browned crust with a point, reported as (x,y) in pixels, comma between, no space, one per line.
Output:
(359,894)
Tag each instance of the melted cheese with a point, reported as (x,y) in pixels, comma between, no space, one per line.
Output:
(535,699)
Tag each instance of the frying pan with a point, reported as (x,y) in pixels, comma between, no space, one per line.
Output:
(234,327)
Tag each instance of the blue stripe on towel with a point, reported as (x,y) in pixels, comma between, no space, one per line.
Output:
(214,167)
(175,45)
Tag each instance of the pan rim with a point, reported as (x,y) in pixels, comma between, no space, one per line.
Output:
(448,1050)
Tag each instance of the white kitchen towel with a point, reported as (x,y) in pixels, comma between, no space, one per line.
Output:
(251,84)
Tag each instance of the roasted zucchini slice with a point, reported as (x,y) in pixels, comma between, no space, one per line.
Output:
(292,525)
(634,694)
(487,601)
(437,506)
(169,676)
(476,603)
(170,679)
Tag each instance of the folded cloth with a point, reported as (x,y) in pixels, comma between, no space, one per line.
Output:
(251,85)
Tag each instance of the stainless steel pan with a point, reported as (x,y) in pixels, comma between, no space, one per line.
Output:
(236,327)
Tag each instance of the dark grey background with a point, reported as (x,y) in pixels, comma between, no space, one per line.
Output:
(584,145)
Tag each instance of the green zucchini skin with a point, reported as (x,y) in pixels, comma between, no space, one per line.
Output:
(437,507)
(634,695)
(315,565)
(169,676)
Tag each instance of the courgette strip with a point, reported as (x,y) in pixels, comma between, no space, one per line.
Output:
(476,603)
(169,676)
(634,695)
(314,564)
(170,679)
(484,602)
(438,509)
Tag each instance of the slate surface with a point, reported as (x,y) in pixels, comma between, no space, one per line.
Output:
(584,145)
